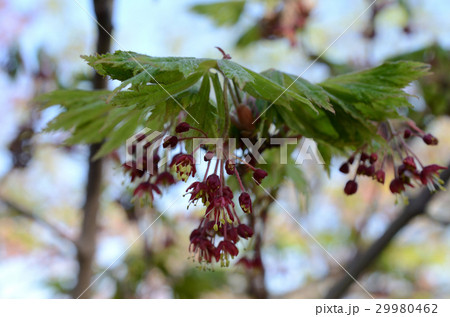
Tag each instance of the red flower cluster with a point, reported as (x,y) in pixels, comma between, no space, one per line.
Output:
(406,174)
(220,229)
(366,167)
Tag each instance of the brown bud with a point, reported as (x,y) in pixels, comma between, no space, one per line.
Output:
(245,117)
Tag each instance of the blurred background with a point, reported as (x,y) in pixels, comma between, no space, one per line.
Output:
(43,183)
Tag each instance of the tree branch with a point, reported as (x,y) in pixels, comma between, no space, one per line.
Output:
(363,260)
(37,219)
(87,239)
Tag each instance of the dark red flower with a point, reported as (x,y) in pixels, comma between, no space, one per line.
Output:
(364,156)
(146,188)
(165,179)
(198,190)
(408,172)
(259,175)
(380,176)
(244,231)
(171,141)
(396,186)
(409,163)
(407,133)
(182,127)
(344,168)
(196,233)
(221,210)
(370,170)
(230,166)
(213,182)
(227,192)
(204,247)
(228,247)
(351,187)
(430,139)
(246,203)
(361,170)
(229,232)
(430,176)
(184,166)
(373,158)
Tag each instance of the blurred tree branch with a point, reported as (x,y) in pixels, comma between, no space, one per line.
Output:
(363,260)
(442,222)
(87,239)
(37,219)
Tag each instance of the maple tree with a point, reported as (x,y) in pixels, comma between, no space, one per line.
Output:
(189,98)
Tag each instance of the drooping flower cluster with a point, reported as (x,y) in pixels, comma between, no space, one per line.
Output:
(220,228)
(408,170)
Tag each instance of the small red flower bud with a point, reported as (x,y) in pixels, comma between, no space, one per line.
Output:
(171,141)
(230,167)
(409,163)
(396,186)
(370,170)
(373,158)
(182,127)
(351,187)
(246,203)
(407,133)
(213,182)
(244,231)
(259,175)
(344,168)
(245,117)
(351,159)
(364,156)
(361,170)
(429,139)
(380,176)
